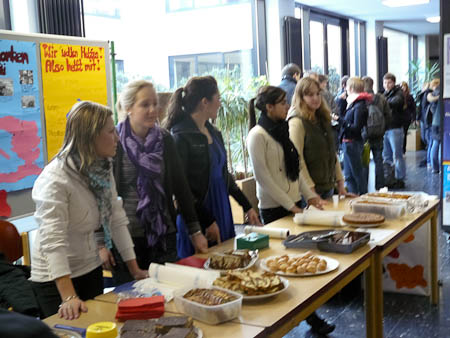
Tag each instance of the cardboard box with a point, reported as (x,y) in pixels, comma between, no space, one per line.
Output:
(413,141)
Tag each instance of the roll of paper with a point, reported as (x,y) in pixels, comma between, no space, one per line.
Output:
(271,232)
(182,275)
(320,217)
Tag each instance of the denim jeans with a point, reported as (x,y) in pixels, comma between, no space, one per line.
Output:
(393,151)
(424,129)
(376,146)
(435,155)
(355,178)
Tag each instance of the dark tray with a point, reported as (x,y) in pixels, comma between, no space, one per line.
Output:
(341,241)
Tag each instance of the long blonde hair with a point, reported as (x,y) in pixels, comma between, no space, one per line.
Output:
(304,87)
(84,123)
(127,97)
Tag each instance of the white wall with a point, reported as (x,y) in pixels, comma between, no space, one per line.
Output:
(275,11)
(374,29)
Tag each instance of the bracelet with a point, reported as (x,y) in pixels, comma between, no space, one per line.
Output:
(67,299)
(196,233)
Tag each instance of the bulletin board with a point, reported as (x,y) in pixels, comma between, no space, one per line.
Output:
(41,77)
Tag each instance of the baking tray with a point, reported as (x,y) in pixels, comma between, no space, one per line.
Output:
(340,241)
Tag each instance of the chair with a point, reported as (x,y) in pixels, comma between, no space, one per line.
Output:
(13,245)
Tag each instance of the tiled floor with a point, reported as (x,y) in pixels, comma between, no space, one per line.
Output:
(404,315)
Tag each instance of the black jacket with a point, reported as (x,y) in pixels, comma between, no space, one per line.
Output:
(396,100)
(288,84)
(15,288)
(355,118)
(193,148)
(175,182)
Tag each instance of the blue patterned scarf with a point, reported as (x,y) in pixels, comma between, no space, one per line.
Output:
(147,157)
(99,182)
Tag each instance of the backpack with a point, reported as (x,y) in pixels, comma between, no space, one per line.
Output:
(376,123)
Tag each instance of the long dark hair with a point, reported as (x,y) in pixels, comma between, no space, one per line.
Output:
(186,99)
(266,95)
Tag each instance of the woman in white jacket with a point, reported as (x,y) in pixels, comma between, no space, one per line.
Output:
(75,195)
(275,160)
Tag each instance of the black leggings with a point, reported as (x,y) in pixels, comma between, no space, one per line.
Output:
(272,214)
(87,287)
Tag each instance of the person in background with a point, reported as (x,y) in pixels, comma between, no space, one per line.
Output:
(310,131)
(312,74)
(75,195)
(290,73)
(204,160)
(409,108)
(329,99)
(393,138)
(376,144)
(435,133)
(149,176)
(16,325)
(425,125)
(341,97)
(276,167)
(351,136)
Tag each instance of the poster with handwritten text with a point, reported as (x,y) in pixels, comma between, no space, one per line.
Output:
(21,157)
(70,73)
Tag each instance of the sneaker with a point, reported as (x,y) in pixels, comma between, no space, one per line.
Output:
(435,171)
(423,164)
(399,184)
(318,325)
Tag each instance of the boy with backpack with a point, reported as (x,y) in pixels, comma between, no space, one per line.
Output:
(379,115)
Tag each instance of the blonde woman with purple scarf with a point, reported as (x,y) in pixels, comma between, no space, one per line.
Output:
(149,175)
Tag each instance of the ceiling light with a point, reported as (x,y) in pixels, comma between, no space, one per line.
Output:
(434,19)
(402,3)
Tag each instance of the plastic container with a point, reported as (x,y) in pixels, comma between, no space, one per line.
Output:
(210,314)
(389,210)
(340,241)
(102,330)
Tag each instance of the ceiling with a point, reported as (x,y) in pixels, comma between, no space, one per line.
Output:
(409,19)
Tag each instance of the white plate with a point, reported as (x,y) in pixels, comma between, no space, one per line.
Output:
(332,264)
(252,262)
(267,295)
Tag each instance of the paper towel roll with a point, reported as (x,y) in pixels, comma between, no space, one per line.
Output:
(271,232)
(182,275)
(320,217)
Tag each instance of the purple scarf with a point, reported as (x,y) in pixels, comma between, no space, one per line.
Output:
(147,157)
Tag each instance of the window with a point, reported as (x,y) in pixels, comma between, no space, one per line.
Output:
(105,8)
(316,36)
(186,66)
(167,47)
(398,54)
(179,5)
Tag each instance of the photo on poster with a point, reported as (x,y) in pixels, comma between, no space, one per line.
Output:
(28,102)
(6,87)
(26,77)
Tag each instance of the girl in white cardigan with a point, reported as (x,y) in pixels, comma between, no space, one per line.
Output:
(275,160)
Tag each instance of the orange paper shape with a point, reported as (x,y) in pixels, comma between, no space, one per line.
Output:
(404,276)
(410,238)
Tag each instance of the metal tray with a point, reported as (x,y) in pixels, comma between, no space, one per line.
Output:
(340,241)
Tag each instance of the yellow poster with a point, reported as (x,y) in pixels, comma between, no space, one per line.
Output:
(70,73)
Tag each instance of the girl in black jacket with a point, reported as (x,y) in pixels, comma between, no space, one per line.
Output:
(203,155)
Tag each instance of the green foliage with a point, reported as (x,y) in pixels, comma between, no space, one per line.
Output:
(236,91)
(420,74)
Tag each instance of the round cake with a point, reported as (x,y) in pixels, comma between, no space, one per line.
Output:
(363,218)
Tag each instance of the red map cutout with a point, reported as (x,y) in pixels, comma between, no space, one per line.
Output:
(5,209)
(25,143)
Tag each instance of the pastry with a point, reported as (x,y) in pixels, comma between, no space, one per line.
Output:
(164,324)
(363,218)
(209,296)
